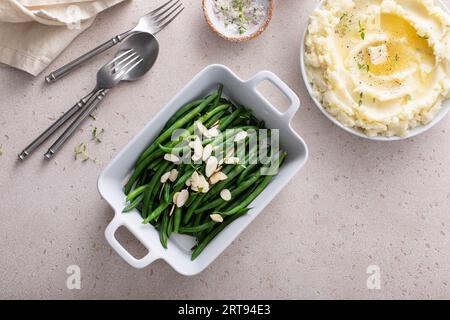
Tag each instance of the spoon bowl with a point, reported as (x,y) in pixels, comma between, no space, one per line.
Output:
(146,46)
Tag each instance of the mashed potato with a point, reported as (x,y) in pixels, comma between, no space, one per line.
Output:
(380,66)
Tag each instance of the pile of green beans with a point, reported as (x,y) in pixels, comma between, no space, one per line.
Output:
(204,214)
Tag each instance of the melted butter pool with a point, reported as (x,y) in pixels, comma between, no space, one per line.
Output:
(405,47)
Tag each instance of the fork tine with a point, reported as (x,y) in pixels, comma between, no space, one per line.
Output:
(159,8)
(156,17)
(119,57)
(125,71)
(167,15)
(122,61)
(115,71)
(160,27)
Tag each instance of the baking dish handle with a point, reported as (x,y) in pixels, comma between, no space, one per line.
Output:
(294,101)
(110,231)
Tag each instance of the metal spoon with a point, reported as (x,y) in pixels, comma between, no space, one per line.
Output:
(153,22)
(143,45)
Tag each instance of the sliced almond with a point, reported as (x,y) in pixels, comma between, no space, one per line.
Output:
(161,191)
(213,132)
(203,130)
(173,175)
(171,157)
(216,124)
(225,194)
(218,176)
(203,185)
(216,217)
(165,177)
(175,197)
(211,166)
(171,210)
(231,160)
(230,153)
(196,157)
(195,179)
(182,198)
(198,148)
(199,183)
(241,135)
(207,150)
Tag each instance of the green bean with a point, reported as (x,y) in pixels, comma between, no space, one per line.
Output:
(218,99)
(154,165)
(202,245)
(162,231)
(216,203)
(137,171)
(146,204)
(224,118)
(197,228)
(137,192)
(243,119)
(191,199)
(170,226)
(158,190)
(166,192)
(174,150)
(152,185)
(192,208)
(212,113)
(133,204)
(177,219)
(143,179)
(238,200)
(156,213)
(224,124)
(214,119)
(182,111)
(246,172)
(219,95)
(197,220)
(255,193)
(182,180)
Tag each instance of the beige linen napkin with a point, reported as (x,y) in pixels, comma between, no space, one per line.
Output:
(34,32)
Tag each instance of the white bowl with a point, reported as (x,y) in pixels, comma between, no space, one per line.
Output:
(411,133)
(218,27)
(178,254)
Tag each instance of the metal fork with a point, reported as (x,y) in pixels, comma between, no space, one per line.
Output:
(107,77)
(153,22)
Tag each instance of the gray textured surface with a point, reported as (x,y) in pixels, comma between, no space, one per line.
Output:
(356,203)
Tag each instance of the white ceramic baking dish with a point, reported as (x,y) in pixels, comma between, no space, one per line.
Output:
(412,133)
(178,254)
